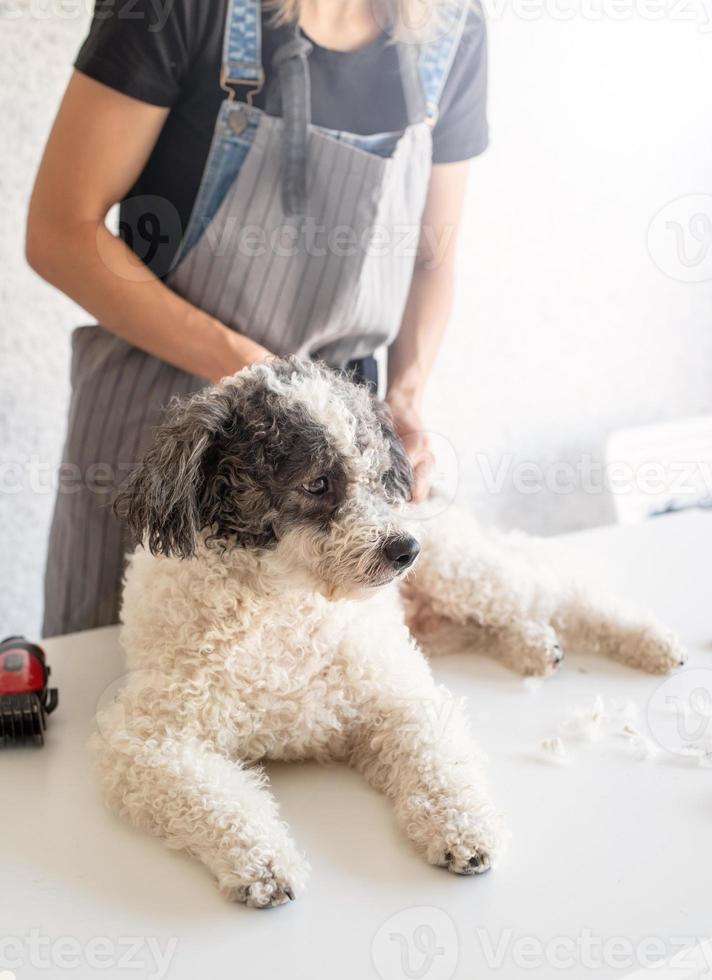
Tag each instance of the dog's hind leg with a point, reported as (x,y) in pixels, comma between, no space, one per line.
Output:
(593,622)
(417,750)
(470,588)
(520,600)
(202,802)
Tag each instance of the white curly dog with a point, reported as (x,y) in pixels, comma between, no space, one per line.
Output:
(267,615)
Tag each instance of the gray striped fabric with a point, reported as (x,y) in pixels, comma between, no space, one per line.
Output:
(118,397)
(310,287)
(318,285)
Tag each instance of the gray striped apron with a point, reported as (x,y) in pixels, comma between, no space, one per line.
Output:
(328,279)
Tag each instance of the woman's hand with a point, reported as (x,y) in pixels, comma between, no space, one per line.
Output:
(242,352)
(408,424)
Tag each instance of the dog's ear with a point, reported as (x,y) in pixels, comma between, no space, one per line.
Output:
(399,477)
(161,500)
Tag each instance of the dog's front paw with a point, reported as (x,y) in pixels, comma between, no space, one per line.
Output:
(265,882)
(470,845)
(268,892)
(472,863)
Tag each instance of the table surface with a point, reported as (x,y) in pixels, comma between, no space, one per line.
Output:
(610,860)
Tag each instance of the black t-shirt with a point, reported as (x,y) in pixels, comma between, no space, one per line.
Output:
(170,55)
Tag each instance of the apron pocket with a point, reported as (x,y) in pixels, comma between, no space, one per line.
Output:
(285,281)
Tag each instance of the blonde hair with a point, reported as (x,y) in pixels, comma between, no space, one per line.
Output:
(410,20)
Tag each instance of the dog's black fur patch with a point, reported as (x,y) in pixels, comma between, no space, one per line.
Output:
(234,459)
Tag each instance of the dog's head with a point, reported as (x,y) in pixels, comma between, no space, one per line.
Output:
(286,456)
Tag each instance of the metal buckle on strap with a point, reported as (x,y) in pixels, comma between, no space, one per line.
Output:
(431,114)
(226,83)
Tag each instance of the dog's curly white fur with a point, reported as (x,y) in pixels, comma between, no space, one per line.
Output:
(270,614)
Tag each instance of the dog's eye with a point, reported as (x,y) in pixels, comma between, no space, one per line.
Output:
(317,488)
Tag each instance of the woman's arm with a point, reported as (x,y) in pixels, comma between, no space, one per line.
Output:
(98,146)
(412,354)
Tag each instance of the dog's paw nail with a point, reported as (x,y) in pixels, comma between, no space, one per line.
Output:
(289,893)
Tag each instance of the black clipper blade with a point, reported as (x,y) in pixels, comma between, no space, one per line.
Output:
(22,719)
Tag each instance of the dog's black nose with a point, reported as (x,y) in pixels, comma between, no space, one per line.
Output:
(401,551)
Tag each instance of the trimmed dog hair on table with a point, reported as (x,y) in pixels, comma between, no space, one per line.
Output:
(275,610)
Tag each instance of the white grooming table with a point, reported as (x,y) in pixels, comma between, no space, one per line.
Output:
(610,859)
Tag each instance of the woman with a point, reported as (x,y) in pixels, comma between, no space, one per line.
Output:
(275,169)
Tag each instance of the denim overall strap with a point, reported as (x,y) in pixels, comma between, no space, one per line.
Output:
(437,55)
(242,45)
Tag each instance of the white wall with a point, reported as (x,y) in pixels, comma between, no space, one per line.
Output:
(36,53)
(564,328)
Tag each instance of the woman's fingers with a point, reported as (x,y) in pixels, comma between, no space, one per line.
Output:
(422,474)
(409,428)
